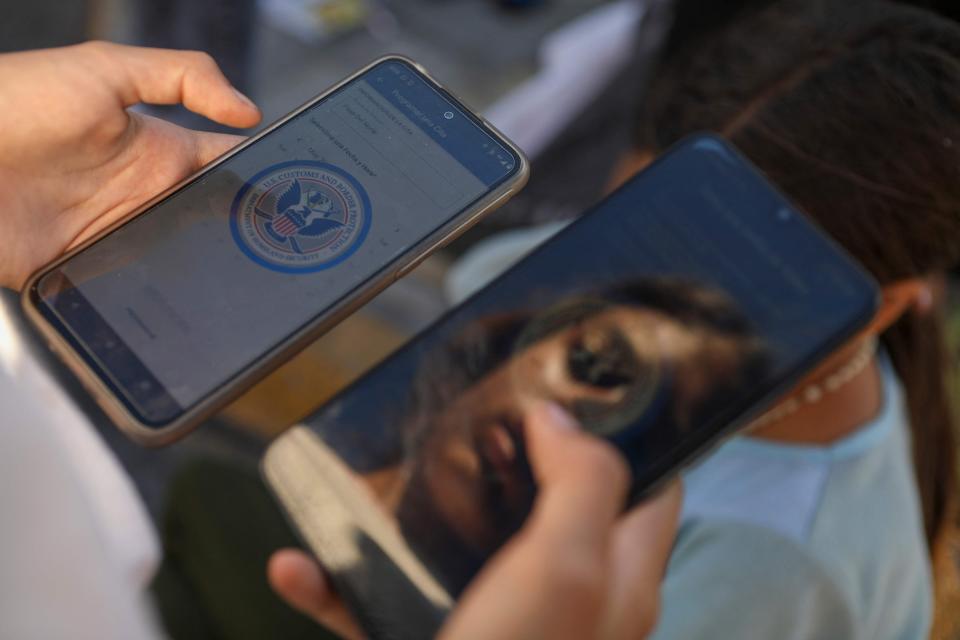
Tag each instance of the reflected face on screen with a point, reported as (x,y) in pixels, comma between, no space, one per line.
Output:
(632,364)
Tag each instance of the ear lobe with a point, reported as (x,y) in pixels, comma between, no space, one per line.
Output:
(924,300)
(632,163)
(898,298)
(915,292)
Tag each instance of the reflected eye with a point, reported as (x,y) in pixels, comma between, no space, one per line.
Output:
(602,359)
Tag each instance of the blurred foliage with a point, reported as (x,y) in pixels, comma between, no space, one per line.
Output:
(220,527)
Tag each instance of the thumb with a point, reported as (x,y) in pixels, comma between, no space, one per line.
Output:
(550,580)
(582,480)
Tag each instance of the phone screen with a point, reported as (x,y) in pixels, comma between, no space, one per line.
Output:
(174,303)
(657,319)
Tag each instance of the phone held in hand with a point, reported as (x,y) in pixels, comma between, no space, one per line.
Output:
(175,311)
(663,319)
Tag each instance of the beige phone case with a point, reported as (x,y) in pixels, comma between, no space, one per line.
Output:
(155,436)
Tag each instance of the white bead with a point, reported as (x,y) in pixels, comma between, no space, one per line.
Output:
(812,394)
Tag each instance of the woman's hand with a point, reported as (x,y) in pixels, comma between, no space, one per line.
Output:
(73,159)
(579,568)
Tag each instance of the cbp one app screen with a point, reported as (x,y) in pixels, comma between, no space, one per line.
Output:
(214,276)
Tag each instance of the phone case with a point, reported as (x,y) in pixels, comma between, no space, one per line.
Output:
(156,436)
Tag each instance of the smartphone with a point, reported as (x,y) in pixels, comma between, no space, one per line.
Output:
(663,319)
(172,313)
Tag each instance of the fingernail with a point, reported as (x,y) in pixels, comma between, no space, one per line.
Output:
(560,417)
(244,98)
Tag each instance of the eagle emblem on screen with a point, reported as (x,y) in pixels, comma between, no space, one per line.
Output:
(300,217)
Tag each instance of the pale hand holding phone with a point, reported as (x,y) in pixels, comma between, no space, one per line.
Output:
(73,160)
(580,567)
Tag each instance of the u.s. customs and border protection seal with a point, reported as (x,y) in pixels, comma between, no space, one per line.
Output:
(300,216)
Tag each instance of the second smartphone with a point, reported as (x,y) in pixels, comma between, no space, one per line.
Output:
(663,319)
(173,313)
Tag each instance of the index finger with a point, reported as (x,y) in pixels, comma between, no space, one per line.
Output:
(167,76)
(299,580)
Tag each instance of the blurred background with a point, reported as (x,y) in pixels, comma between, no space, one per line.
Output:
(217,522)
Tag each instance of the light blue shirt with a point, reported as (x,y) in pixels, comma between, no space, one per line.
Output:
(790,542)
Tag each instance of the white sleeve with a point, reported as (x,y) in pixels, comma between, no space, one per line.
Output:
(76,546)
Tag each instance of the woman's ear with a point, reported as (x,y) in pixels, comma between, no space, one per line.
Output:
(633,162)
(914,294)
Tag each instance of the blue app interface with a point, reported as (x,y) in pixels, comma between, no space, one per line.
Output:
(177,301)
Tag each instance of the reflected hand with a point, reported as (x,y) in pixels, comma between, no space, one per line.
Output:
(73,160)
(579,568)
